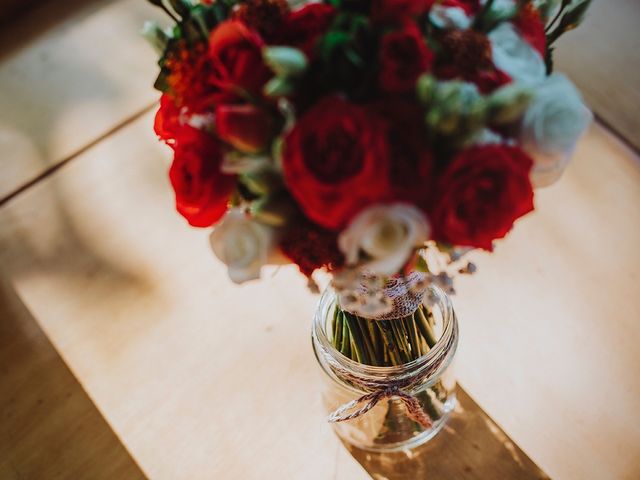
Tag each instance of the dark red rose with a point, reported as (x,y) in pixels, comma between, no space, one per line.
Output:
(245,127)
(310,246)
(480,194)
(202,190)
(531,27)
(335,161)
(404,55)
(410,156)
(167,120)
(263,16)
(303,27)
(235,52)
(397,11)
(466,55)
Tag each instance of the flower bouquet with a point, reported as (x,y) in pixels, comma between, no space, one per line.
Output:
(378,141)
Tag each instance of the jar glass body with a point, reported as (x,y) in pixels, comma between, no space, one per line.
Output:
(429,379)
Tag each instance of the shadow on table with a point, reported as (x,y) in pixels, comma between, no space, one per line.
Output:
(471,446)
(49,427)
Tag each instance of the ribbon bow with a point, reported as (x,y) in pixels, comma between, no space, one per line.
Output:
(370,400)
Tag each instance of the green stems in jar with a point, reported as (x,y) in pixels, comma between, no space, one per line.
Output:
(383,343)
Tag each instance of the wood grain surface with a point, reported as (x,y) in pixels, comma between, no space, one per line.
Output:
(471,447)
(200,378)
(49,428)
(69,73)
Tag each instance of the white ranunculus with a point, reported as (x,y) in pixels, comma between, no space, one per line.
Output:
(556,117)
(515,56)
(387,234)
(449,17)
(243,244)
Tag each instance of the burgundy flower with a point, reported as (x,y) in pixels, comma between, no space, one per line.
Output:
(404,55)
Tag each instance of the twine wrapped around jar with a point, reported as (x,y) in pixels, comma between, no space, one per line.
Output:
(406,294)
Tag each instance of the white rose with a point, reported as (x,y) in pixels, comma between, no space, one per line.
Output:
(455,17)
(387,234)
(515,56)
(556,117)
(449,17)
(244,245)
(552,126)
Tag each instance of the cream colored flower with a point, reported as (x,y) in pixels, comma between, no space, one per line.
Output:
(552,126)
(449,17)
(556,117)
(515,56)
(243,244)
(384,237)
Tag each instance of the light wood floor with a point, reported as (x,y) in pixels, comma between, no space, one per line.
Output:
(100,269)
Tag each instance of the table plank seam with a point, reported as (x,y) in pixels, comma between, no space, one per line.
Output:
(64,161)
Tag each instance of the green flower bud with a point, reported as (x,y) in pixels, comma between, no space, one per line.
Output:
(425,88)
(261,182)
(285,61)
(508,103)
(156,37)
(278,87)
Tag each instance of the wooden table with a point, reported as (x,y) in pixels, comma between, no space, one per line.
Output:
(198,378)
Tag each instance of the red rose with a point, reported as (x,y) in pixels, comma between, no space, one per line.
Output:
(480,194)
(236,54)
(404,55)
(167,120)
(411,159)
(302,27)
(335,161)
(202,190)
(245,127)
(531,27)
(397,11)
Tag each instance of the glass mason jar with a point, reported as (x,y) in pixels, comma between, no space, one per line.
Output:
(387,408)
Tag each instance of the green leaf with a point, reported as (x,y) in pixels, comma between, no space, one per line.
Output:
(279,87)
(574,15)
(548,60)
(331,42)
(181,7)
(161,81)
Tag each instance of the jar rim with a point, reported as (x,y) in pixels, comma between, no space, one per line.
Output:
(445,345)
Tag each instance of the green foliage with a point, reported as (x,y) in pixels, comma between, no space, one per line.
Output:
(489,17)
(507,104)
(347,52)
(571,15)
